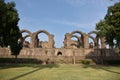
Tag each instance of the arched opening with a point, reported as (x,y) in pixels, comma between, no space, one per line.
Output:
(59,53)
(92,39)
(22,31)
(74,38)
(42,37)
(42,40)
(25,38)
(92,32)
(91,42)
(26,41)
(79,32)
(75,41)
(80,38)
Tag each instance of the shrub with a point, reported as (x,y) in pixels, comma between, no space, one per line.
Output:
(52,62)
(86,61)
(61,61)
(112,62)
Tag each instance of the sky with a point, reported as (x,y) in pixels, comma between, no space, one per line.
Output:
(59,17)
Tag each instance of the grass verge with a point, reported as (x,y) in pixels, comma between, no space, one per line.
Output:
(58,72)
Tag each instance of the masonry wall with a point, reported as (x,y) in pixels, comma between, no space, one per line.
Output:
(58,54)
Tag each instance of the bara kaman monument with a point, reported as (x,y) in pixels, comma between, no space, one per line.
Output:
(80,48)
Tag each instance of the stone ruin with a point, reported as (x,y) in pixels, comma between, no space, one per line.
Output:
(82,41)
(35,42)
(81,48)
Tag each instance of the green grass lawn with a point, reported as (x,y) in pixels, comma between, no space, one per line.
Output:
(58,72)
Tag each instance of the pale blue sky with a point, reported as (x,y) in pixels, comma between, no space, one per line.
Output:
(61,16)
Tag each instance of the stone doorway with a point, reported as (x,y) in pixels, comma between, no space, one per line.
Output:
(59,53)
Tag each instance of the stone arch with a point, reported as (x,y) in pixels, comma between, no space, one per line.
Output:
(27,31)
(22,39)
(92,38)
(92,44)
(79,42)
(75,36)
(80,32)
(83,37)
(100,41)
(42,31)
(26,36)
(26,44)
(92,32)
(59,53)
(95,39)
(47,44)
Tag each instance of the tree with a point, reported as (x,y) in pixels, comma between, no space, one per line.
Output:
(103,29)
(110,26)
(9,31)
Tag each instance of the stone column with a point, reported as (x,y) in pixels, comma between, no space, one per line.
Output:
(96,43)
(79,42)
(103,44)
(51,41)
(33,41)
(67,41)
(36,42)
(86,42)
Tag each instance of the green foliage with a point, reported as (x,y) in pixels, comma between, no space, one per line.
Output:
(85,61)
(62,61)
(110,26)
(9,31)
(9,20)
(112,62)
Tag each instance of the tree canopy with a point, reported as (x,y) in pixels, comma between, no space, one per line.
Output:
(110,26)
(9,30)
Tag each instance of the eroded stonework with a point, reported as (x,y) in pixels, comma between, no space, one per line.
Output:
(80,48)
(81,42)
(35,42)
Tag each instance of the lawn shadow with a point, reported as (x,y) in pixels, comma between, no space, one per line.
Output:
(22,75)
(11,65)
(103,60)
(37,65)
(98,67)
(21,62)
(37,68)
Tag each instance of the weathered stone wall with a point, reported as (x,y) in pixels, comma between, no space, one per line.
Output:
(62,53)
(5,52)
(80,48)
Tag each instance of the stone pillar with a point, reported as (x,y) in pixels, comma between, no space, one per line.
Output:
(96,43)
(82,41)
(36,42)
(79,42)
(86,42)
(33,41)
(51,41)
(67,41)
(103,44)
